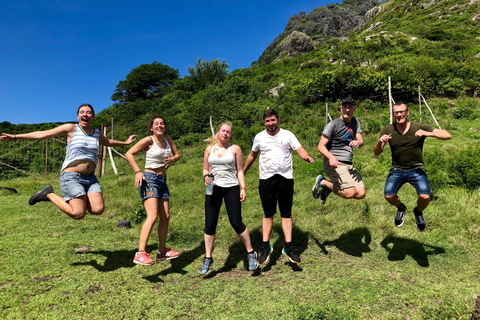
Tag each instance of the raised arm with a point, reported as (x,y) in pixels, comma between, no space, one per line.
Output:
(322,147)
(382,141)
(115,143)
(139,146)
(252,156)
(358,142)
(176,155)
(436,133)
(66,129)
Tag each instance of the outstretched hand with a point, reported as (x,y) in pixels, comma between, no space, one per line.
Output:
(7,137)
(131,138)
(385,138)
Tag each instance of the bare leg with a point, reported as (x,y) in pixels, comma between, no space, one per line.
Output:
(151,207)
(423,201)
(347,193)
(164,217)
(245,237)
(209,241)
(394,200)
(267,226)
(287,227)
(95,204)
(75,208)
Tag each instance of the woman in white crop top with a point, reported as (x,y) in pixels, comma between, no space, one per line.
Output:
(160,153)
(79,187)
(225,162)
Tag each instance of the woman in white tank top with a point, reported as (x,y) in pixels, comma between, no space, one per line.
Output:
(160,153)
(225,162)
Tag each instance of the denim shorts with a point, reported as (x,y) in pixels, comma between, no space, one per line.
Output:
(154,186)
(74,185)
(397,178)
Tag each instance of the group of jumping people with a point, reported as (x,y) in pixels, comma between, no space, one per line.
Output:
(223,167)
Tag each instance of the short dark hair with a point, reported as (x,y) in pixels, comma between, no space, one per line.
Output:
(270,112)
(156,116)
(401,102)
(85,105)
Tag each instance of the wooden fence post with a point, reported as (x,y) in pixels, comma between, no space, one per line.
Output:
(100,154)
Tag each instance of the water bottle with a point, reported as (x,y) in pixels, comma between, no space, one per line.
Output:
(210,185)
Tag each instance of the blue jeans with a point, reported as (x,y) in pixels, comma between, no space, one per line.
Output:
(397,178)
(74,185)
(154,186)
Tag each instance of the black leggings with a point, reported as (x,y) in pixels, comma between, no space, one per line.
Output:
(232,204)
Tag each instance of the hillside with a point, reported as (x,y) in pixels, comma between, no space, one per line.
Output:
(433,45)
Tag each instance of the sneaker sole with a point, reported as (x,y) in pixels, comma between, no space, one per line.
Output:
(268,257)
(316,195)
(169,258)
(421,230)
(286,255)
(143,264)
(399,225)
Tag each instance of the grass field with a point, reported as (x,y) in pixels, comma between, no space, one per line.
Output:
(355,263)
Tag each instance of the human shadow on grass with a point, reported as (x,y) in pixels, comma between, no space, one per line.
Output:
(178,265)
(399,248)
(299,242)
(236,254)
(114,259)
(355,242)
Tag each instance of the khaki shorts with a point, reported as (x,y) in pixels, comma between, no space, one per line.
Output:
(344,176)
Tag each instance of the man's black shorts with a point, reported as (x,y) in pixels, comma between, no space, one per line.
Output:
(276,188)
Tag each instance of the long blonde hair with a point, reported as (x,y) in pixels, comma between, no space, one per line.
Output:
(215,139)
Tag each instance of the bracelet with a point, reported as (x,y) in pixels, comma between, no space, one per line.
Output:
(243,188)
(138,171)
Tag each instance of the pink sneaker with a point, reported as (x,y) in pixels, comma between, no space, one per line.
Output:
(167,255)
(143,258)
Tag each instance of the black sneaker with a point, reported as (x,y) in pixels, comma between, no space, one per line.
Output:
(421,225)
(41,195)
(291,255)
(265,255)
(324,194)
(400,218)
(317,186)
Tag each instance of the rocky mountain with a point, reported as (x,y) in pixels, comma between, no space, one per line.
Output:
(304,31)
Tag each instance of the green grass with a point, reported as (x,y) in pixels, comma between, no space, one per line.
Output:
(355,263)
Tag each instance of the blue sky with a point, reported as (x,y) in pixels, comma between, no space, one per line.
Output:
(56,55)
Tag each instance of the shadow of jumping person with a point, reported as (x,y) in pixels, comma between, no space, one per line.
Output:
(236,254)
(114,259)
(355,242)
(398,248)
(178,265)
(299,241)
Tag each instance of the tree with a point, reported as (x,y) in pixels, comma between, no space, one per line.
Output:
(208,72)
(146,82)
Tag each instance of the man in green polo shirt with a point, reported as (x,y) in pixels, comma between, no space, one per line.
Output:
(406,140)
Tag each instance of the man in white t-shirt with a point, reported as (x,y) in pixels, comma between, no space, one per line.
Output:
(276,180)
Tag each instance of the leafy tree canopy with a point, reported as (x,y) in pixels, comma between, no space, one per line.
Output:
(208,72)
(146,82)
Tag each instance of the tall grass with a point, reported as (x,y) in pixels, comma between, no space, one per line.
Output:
(355,263)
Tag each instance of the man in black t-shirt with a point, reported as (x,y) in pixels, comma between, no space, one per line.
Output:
(406,140)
